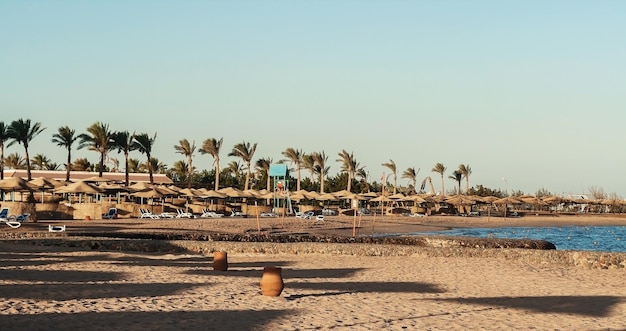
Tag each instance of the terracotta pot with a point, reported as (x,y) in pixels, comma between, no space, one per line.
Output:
(220,261)
(272,281)
(87,218)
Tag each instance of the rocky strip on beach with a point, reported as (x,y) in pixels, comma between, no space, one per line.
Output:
(536,252)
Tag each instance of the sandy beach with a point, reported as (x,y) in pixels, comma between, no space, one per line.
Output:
(66,288)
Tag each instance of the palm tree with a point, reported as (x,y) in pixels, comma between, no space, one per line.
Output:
(187,149)
(82,164)
(180,170)
(124,142)
(40,162)
(440,169)
(143,143)
(411,175)
(154,164)
(99,140)
(15,161)
(466,171)
(392,166)
(263,167)
(319,159)
(361,173)
(295,157)
(244,151)
(457,176)
(212,147)
(4,137)
(309,164)
(65,137)
(234,170)
(52,166)
(349,165)
(23,133)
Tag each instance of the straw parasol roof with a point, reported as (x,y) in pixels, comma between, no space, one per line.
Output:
(140,186)
(326,197)
(460,200)
(489,199)
(188,192)
(397,196)
(508,201)
(212,194)
(415,198)
(43,183)
(78,187)
(16,184)
(231,192)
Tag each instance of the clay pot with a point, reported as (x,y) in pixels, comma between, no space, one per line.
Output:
(87,217)
(220,261)
(272,281)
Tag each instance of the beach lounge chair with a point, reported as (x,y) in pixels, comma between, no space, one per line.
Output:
(111,214)
(183,214)
(145,213)
(56,228)
(9,220)
(306,216)
(25,217)
(207,213)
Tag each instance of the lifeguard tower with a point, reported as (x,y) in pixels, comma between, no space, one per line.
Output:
(279,174)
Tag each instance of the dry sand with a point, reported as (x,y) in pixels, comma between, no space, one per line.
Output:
(65,288)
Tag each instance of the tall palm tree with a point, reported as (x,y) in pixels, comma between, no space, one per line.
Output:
(143,143)
(263,167)
(295,157)
(124,142)
(4,138)
(319,159)
(457,176)
(98,139)
(22,132)
(155,165)
(40,162)
(394,170)
(309,164)
(244,151)
(466,171)
(187,149)
(348,165)
(361,173)
(212,147)
(440,169)
(411,175)
(65,137)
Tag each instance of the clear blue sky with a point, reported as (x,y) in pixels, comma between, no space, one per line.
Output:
(530,91)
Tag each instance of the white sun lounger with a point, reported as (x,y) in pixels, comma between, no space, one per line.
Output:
(56,228)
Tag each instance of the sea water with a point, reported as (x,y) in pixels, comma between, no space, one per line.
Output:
(580,238)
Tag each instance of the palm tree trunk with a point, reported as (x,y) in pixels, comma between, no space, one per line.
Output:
(27,163)
(298,170)
(217,177)
(126,174)
(68,167)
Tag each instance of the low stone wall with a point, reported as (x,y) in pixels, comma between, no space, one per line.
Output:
(451,248)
